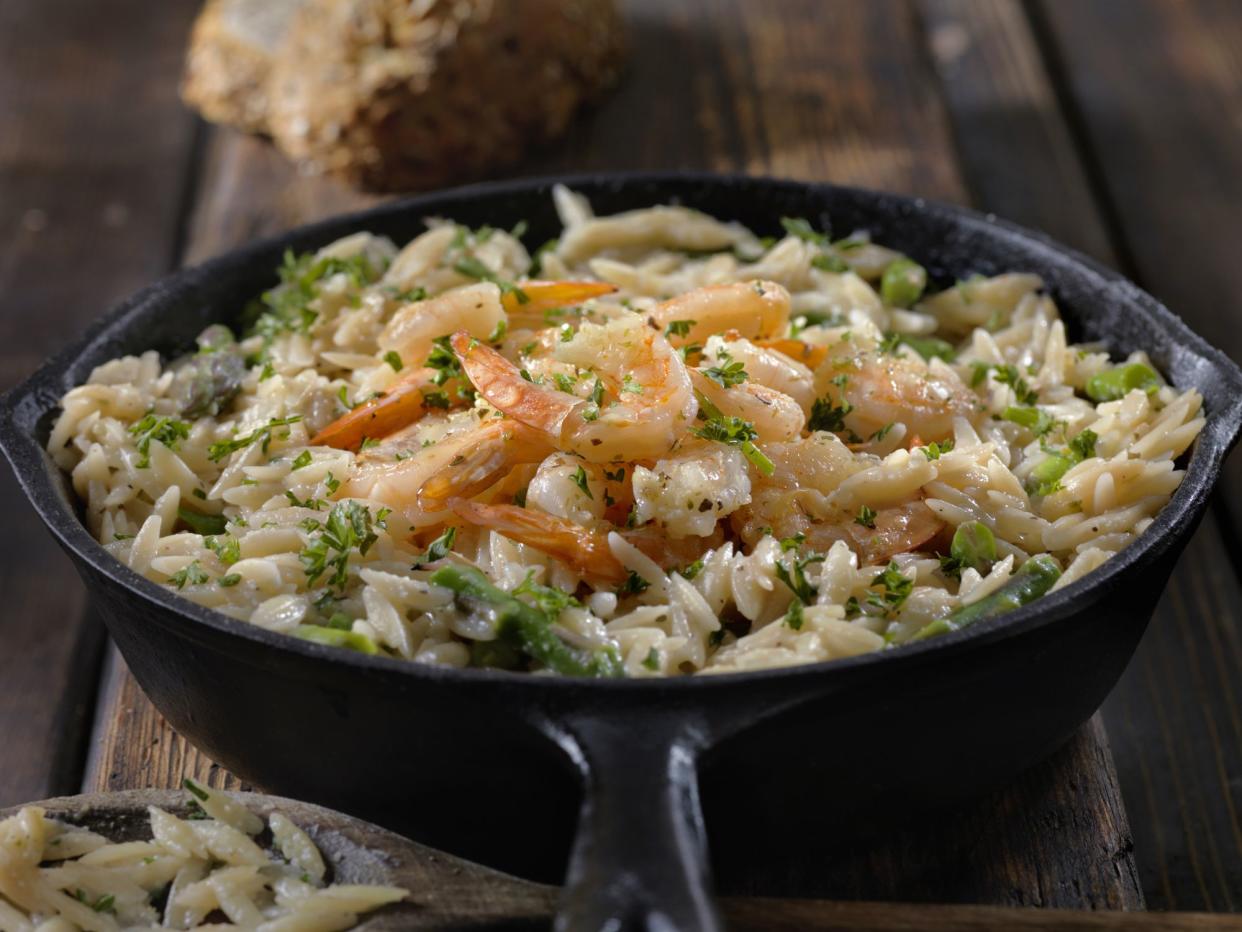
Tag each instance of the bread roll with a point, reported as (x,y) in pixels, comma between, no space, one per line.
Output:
(404,94)
(230,60)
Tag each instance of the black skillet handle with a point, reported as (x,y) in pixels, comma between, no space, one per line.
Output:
(639,861)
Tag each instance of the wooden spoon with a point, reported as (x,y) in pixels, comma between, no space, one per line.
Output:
(450,893)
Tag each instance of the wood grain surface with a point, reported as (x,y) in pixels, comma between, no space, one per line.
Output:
(1039,112)
(94,159)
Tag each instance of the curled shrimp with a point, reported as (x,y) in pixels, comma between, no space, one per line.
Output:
(481,310)
(546,296)
(584,550)
(767,367)
(894,530)
(808,354)
(774,414)
(755,309)
(883,389)
(654,401)
(795,500)
(459,465)
(403,404)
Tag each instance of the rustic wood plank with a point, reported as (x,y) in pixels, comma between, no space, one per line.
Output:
(93,158)
(1161,132)
(764,97)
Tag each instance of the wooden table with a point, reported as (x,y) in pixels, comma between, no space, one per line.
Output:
(1114,125)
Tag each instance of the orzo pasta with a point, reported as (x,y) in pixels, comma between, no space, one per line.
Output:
(659,445)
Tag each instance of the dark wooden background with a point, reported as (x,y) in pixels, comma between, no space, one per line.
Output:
(1114,125)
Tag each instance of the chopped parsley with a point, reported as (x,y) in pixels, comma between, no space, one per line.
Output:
(314,504)
(232,579)
(548,599)
(563,382)
(167,430)
(1083,446)
(443,360)
(192,575)
(801,228)
(393,358)
(631,385)
(286,308)
(332,484)
(933,451)
(226,547)
(679,328)
(1009,375)
(893,591)
(348,528)
(202,524)
(633,585)
(794,617)
(303,459)
(889,343)
(652,660)
(866,517)
(829,262)
(438,549)
(218,451)
(732,431)
(582,482)
(825,415)
(691,570)
(730,374)
(883,431)
(795,577)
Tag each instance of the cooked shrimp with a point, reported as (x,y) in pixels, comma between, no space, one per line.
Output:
(460,465)
(774,414)
(809,354)
(883,389)
(690,491)
(476,309)
(898,529)
(805,472)
(654,402)
(568,488)
(795,500)
(480,310)
(400,406)
(542,297)
(766,367)
(755,309)
(584,550)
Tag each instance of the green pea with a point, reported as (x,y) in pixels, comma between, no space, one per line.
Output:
(903,282)
(930,347)
(1119,381)
(1045,477)
(974,545)
(335,637)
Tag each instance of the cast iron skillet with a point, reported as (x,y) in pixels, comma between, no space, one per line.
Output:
(494,765)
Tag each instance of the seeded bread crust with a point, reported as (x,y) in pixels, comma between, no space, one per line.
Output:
(406,94)
(232,48)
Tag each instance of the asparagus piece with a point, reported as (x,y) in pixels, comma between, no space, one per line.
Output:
(1119,381)
(335,637)
(1033,579)
(525,627)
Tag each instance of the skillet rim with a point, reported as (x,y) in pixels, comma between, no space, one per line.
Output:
(43,388)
